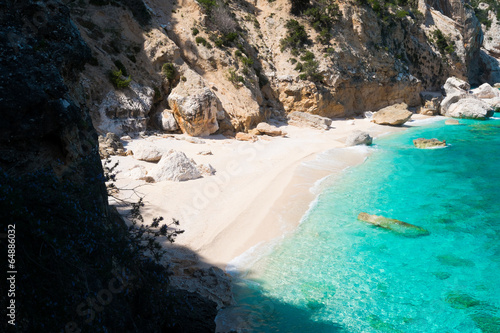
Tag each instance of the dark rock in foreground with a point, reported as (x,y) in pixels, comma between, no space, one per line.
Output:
(400,227)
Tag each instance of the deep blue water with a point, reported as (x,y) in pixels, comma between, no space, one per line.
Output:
(337,274)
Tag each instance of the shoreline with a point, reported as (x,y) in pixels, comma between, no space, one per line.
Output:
(261,190)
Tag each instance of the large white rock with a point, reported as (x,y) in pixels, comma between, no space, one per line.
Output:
(167,122)
(394,115)
(470,108)
(455,85)
(174,166)
(486,91)
(148,152)
(303,119)
(194,105)
(455,90)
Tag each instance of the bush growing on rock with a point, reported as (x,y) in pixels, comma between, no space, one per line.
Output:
(118,80)
(296,36)
(442,42)
(168,70)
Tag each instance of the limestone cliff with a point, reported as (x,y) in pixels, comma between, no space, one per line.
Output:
(371,54)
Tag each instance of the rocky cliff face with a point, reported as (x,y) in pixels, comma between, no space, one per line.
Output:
(372,54)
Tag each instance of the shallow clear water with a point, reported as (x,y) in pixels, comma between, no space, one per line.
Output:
(337,274)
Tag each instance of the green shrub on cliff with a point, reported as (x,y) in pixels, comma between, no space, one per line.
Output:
(118,80)
(296,37)
(168,70)
(442,42)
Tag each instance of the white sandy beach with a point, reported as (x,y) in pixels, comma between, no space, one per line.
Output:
(260,190)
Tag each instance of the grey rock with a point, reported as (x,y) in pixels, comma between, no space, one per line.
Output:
(486,91)
(303,119)
(472,108)
(359,138)
(175,166)
(148,152)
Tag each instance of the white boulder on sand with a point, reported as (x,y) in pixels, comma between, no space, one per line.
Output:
(394,115)
(166,121)
(148,152)
(194,105)
(175,166)
(359,138)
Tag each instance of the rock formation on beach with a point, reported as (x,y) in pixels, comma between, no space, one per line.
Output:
(394,115)
(400,227)
(459,102)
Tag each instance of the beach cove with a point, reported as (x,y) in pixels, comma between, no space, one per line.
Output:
(337,274)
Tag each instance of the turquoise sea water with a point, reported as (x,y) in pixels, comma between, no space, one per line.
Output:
(337,274)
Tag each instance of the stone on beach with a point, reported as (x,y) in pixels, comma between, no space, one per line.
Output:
(206,169)
(359,138)
(400,227)
(110,145)
(303,119)
(175,166)
(394,115)
(428,143)
(148,152)
(266,129)
(166,121)
(240,136)
(194,105)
